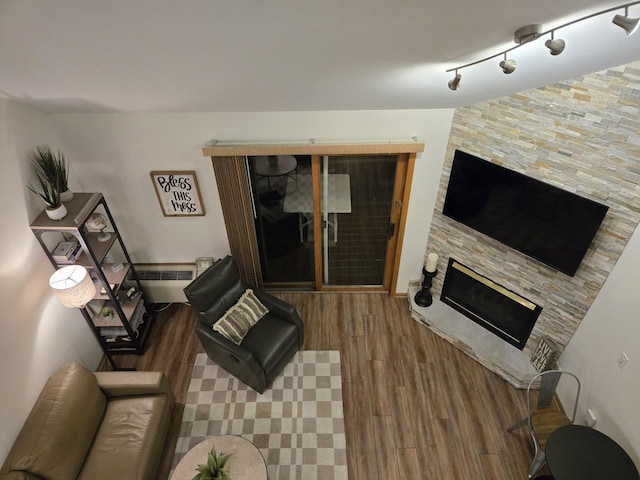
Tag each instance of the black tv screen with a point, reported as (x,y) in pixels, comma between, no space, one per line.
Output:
(545,222)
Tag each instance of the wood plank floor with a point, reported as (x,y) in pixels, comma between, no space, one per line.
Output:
(415,406)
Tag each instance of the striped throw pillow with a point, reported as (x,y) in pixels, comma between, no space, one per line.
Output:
(239,319)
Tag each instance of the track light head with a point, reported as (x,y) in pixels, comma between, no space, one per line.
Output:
(454,83)
(555,45)
(508,65)
(627,23)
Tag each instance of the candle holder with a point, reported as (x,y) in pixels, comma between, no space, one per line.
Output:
(423,298)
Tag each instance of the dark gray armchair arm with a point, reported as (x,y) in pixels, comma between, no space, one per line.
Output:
(282,309)
(222,350)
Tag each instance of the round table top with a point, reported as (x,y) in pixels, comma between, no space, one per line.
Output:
(246,463)
(576,452)
(285,165)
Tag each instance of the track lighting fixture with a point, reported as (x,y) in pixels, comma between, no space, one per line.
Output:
(532,32)
(454,83)
(527,33)
(508,65)
(555,46)
(625,22)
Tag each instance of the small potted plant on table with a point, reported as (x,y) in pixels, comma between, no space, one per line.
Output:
(214,468)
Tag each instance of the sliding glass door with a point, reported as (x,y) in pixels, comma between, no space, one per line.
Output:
(357,201)
(283,205)
(327,222)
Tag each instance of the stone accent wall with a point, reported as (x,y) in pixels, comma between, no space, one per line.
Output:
(582,135)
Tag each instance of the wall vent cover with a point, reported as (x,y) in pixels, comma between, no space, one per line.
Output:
(163,282)
(163,275)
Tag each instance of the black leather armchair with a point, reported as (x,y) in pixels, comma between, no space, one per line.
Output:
(269,344)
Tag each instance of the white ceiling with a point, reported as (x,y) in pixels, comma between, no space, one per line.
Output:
(288,55)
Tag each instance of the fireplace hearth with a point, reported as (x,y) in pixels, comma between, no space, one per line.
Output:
(499,310)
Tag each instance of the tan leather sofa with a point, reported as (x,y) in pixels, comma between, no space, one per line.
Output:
(86,425)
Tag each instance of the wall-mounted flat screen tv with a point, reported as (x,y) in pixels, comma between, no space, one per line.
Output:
(545,222)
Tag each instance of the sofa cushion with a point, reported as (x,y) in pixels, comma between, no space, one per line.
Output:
(127,384)
(60,429)
(239,319)
(129,442)
(19,476)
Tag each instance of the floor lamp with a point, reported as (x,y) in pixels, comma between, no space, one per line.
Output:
(73,287)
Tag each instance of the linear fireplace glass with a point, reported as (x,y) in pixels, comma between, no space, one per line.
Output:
(501,311)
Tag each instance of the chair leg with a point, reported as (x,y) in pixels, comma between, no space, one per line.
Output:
(521,423)
(537,463)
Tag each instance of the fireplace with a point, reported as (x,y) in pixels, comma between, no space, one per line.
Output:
(499,310)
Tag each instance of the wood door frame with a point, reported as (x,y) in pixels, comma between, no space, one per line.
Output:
(398,216)
(406,154)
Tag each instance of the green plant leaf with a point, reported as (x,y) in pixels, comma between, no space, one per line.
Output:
(204,473)
(222,460)
(51,172)
(214,468)
(213,461)
(50,167)
(48,193)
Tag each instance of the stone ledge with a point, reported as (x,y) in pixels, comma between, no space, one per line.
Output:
(490,351)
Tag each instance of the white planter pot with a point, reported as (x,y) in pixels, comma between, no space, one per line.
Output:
(66,196)
(57,213)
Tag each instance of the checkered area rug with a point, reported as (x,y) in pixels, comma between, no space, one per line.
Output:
(297,424)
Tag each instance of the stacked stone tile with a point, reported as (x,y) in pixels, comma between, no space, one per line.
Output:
(582,135)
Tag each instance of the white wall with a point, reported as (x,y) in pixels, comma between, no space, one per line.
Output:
(36,333)
(114,153)
(611,327)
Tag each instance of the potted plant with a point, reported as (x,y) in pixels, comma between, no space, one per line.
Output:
(106,313)
(51,197)
(53,168)
(214,468)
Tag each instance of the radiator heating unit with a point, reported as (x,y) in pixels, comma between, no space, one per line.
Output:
(164,283)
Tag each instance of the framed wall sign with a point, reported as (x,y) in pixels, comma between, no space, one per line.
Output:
(178,193)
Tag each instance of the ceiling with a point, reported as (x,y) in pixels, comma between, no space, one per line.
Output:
(289,55)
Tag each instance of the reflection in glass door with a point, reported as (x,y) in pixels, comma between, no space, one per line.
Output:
(353,197)
(284,218)
(356,193)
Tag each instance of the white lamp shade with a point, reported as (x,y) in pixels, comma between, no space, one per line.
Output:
(73,286)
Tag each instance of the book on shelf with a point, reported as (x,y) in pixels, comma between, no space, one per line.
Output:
(67,251)
(75,255)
